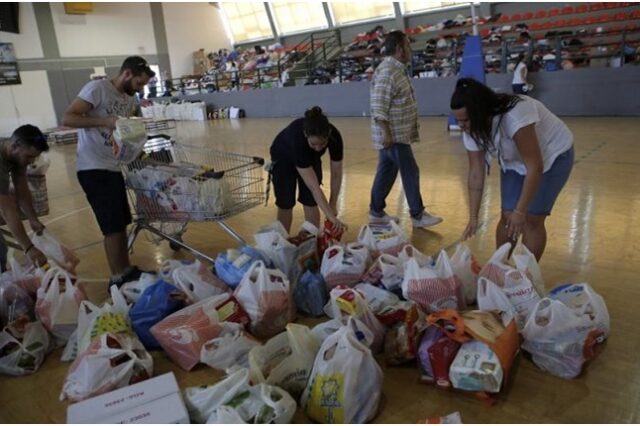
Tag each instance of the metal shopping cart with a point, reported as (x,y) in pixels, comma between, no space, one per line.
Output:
(172,185)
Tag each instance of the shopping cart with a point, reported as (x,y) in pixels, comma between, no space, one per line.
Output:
(172,185)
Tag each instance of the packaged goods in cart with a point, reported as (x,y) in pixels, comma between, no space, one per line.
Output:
(129,138)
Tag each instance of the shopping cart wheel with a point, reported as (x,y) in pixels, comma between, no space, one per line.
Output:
(175,247)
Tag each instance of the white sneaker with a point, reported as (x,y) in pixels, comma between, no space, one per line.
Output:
(426,220)
(382,219)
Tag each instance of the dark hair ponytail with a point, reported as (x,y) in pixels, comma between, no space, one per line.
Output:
(482,105)
(316,123)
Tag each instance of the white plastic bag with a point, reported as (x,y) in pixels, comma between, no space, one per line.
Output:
(476,368)
(225,415)
(325,329)
(58,304)
(525,261)
(266,297)
(230,348)
(23,348)
(491,297)
(585,302)
(132,290)
(466,268)
(129,138)
(341,266)
(346,381)
(271,240)
(410,252)
(383,238)
(387,271)
(285,360)
(201,401)
(377,299)
(111,362)
(93,321)
(345,302)
(197,282)
(433,289)
(560,340)
(54,250)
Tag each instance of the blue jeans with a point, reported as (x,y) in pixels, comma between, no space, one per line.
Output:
(397,157)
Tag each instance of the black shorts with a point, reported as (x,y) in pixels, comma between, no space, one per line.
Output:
(285,178)
(107,195)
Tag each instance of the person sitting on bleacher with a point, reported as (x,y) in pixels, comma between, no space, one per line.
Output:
(16,153)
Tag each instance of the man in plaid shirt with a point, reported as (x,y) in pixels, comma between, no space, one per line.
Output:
(394,127)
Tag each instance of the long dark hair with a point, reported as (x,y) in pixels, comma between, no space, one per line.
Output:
(482,105)
(316,123)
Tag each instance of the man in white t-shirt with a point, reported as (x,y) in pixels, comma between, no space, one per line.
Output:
(94,112)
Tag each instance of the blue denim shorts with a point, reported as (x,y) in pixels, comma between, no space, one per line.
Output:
(552,182)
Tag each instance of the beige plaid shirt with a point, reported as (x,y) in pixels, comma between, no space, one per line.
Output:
(393,100)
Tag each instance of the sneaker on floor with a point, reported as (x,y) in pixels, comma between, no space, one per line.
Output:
(382,219)
(426,221)
(132,274)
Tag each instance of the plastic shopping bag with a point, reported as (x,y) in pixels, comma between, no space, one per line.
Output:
(156,303)
(94,321)
(310,295)
(232,264)
(585,302)
(231,347)
(345,302)
(328,237)
(272,405)
(25,275)
(198,282)
(272,241)
(341,266)
(383,238)
(306,243)
(58,304)
(183,333)
(492,298)
(387,271)
(233,391)
(110,362)
(325,329)
(346,381)
(132,290)
(285,360)
(560,340)
(54,250)
(466,268)
(402,340)
(129,138)
(15,303)
(523,260)
(378,299)
(433,289)
(23,346)
(410,252)
(266,297)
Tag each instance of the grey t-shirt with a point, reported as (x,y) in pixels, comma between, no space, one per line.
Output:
(7,169)
(94,143)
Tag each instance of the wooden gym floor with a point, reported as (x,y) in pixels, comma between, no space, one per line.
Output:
(593,237)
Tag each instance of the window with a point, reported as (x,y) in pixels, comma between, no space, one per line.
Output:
(418,6)
(294,16)
(247,21)
(345,12)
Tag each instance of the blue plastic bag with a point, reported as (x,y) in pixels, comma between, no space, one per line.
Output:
(232,271)
(310,295)
(152,307)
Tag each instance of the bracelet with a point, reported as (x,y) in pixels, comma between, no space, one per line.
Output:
(28,248)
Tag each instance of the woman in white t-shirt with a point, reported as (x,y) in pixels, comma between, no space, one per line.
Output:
(520,76)
(535,152)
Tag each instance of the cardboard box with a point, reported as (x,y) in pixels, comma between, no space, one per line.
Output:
(123,399)
(168,409)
